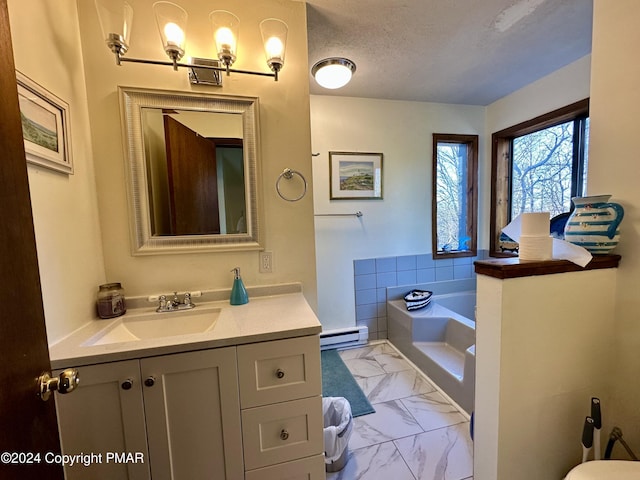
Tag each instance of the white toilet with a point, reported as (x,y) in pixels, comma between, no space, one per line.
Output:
(605,470)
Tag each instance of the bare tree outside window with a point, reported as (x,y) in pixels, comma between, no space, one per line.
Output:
(451,196)
(538,166)
(541,171)
(454,195)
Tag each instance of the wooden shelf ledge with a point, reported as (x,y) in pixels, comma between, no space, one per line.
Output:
(514,267)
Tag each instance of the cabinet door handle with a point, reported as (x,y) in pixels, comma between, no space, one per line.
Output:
(284,434)
(280,373)
(150,381)
(127,384)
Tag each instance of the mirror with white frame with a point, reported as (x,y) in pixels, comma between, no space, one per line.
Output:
(192,171)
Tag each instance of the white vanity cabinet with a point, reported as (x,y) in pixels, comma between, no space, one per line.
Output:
(180,411)
(104,414)
(281,401)
(253,411)
(191,411)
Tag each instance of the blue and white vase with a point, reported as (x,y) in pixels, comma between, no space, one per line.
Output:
(594,224)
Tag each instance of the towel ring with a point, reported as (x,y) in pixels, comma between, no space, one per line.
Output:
(288,175)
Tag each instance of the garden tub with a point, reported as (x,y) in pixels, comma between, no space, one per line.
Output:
(440,339)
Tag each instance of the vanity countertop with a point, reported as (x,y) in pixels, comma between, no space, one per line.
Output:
(265,318)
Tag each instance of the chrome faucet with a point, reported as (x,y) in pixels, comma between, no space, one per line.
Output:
(175,304)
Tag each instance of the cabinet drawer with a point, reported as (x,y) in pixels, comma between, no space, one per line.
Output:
(310,468)
(272,372)
(282,432)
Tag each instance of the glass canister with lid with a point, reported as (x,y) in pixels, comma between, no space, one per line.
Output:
(111,301)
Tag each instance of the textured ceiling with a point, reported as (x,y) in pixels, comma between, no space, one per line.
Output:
(469,52)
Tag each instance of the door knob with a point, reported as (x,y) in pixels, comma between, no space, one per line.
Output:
(127,384)
(66,382)
(150,381)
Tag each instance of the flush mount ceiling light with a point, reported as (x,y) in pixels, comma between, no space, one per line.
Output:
(334,72)
(116,18)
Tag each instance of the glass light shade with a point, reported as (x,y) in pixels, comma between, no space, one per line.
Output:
(333,73)
(225,27)
(115,19)
(172,25)
(274,36)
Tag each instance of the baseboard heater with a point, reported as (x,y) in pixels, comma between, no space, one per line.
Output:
(344,337)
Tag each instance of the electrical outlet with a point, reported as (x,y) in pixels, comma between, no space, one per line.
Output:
(266,262)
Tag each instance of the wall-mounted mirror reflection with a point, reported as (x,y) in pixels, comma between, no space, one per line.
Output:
(195,168)
(192,164)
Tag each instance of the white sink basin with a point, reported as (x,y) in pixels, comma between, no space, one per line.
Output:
(149,326)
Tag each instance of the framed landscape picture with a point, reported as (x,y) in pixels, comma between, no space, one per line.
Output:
(355,176)
(45,126)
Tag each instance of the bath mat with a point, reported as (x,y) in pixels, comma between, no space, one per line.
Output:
(337,381)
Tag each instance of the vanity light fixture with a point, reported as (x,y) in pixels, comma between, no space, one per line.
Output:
(116,18)
(334,72)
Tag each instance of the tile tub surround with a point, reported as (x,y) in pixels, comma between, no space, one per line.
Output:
(373,277)
(415,434)
(441,343)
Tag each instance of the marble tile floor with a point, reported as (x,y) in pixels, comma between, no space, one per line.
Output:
(415,433)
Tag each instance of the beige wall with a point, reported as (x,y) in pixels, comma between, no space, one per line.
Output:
(562,87)
(402,132)
(65,207)
(614,168)
(285,142)
(81,220)
(542,348)
(558,89)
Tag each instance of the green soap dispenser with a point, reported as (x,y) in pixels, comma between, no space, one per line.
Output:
(239,294)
